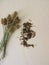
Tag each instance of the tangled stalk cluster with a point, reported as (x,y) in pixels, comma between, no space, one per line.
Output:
(10,24)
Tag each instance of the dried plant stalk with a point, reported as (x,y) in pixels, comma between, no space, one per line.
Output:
(10,24)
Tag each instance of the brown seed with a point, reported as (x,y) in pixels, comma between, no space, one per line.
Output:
(27,24)
(24,43)
(33,34)
(29,35)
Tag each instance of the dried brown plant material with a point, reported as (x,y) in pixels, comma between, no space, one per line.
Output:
(14,14)
(27,34)
(4,21)
(11,23)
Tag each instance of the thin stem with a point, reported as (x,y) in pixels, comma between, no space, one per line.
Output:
(4,42)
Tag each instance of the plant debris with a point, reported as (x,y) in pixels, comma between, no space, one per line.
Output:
(27,34)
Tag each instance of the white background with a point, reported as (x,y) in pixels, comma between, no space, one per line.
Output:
(38,12)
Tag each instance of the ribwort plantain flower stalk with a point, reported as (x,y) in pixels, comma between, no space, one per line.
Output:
(10,24)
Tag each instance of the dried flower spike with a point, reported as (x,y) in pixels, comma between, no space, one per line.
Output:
(14,14)
(11,23)
(4,21)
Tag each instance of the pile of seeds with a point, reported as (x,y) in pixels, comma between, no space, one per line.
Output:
(27,34)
